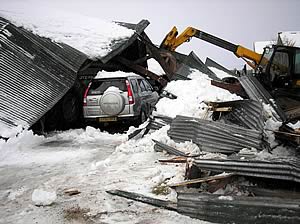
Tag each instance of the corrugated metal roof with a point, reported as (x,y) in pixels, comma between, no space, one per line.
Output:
(189,62)
(257,92)
(281,169)
(121,45)
(213,136)
(35,74)
(247,113)
(238,209)
(211,63)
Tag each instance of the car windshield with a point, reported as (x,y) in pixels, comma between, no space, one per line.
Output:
(99,86)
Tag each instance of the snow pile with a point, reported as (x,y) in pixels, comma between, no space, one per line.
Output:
(191,96)
(117,74)
(155,67)
(6,132)
(294,126)
(41,197)
(25,139)
(89,35)
(219,73)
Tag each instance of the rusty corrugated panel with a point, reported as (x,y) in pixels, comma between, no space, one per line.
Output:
(35,74)
(238,209)
(213,136)
(281,169)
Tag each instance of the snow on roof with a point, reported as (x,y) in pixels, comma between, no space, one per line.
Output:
(89,35)
(260,45)
(117,74)
(292,37)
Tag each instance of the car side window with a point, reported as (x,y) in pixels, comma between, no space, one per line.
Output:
(148,86)
(134,85)
(142,85)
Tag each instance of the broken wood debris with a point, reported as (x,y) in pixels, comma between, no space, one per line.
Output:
(201,180)
(148,200)
(180,159)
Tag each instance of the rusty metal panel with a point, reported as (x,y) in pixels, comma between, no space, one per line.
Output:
(213,136)
(238,209)
(35,74)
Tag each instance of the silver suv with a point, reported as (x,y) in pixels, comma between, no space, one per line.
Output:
(118,96)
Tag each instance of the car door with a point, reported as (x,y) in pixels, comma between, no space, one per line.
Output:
(150,97)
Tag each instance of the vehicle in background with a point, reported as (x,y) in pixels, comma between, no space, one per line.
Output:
(118,97)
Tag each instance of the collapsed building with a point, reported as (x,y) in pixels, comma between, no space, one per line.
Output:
(42,83)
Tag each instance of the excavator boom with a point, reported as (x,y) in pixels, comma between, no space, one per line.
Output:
(172,41)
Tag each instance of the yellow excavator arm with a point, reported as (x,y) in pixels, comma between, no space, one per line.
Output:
(173,40)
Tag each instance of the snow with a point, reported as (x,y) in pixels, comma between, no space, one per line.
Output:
(118,74)
(191,96)
(93,161)
(219,73)
(89,35)
(227,198)
(41,197)
(155,67)
(294,126)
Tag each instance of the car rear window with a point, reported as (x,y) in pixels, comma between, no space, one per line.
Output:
(99,86)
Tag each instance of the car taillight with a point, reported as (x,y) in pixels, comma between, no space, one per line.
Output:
(85,93)
(130,95)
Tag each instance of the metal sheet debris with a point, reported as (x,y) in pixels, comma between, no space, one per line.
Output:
(281,169)
(247,113)
(238,209)
(213,136)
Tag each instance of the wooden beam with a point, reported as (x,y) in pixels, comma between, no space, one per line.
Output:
(201,180)
(141,198)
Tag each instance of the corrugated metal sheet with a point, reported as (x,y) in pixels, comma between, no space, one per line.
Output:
(158,121)
(280,169)
(187,63)
(220,209)
(35,74)
(159,146)
(257,92)
(247,113)
(121,45)
(211,63)
(213,136)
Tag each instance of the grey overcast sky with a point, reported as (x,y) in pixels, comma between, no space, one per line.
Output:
(238,21)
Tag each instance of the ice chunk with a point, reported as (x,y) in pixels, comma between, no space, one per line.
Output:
(41,197)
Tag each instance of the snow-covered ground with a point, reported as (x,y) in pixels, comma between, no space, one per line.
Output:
(37,172)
